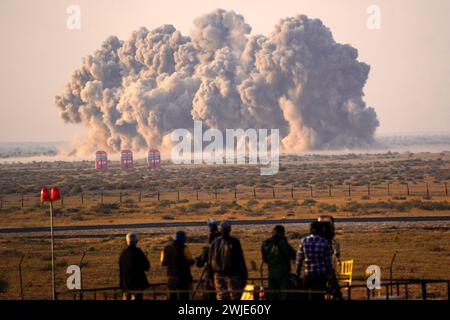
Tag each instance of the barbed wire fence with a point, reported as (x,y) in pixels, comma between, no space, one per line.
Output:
(395,191)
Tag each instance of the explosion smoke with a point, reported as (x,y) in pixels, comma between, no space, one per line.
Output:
(133,93)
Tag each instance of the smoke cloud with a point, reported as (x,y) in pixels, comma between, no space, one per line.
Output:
(134,93)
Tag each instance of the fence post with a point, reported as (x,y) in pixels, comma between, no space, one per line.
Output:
(329,190)
(368,189)
(235,193)
(1,202)
(407,189)
(273,192)
(446,189)
(292,192)
(424,290)
(254,192)
(389,189)
(21,198)
(311,191)
(349,190)
(82,199)
(140,195)
(120,197)
(62,201)
(215,193)
(101,197)
(197,196)
(178,195)
(158,195)
(428,190)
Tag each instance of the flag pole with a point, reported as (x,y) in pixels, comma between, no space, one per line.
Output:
(53,251)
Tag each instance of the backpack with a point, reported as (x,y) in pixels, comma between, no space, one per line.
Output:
(271,252)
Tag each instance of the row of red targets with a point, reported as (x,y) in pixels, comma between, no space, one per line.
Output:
(50,196)
(126,159)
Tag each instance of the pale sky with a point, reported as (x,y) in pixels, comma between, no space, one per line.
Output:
(408,85)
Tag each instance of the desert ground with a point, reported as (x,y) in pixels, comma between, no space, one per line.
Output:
(347,185)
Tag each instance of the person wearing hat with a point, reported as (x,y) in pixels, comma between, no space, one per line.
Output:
(227,264)
(177,258)
(202,262)
(132,267)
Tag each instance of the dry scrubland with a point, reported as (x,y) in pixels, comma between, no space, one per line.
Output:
(139,188)
(424,250)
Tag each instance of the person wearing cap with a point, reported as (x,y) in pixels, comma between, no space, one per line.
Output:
(132,267)
(202,261)
(228,265)
(177,258)
(316,253)
(277,253)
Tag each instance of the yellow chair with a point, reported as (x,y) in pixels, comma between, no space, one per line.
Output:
(345,271)
(248,293)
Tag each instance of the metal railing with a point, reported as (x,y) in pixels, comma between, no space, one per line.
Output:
(396,289)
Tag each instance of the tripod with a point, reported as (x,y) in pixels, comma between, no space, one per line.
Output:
(200,280)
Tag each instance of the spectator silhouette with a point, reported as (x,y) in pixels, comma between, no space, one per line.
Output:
(278,253)
(316,253)
(228,265)
(132,267)
(177,258)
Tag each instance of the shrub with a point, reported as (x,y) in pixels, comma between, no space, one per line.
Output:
(199,205)
(78,217)
(181,209)
(327,207)
(279,204)
(308,202)
(165,203)
(76,189)
(221,210)
(104,208)
(252,203)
